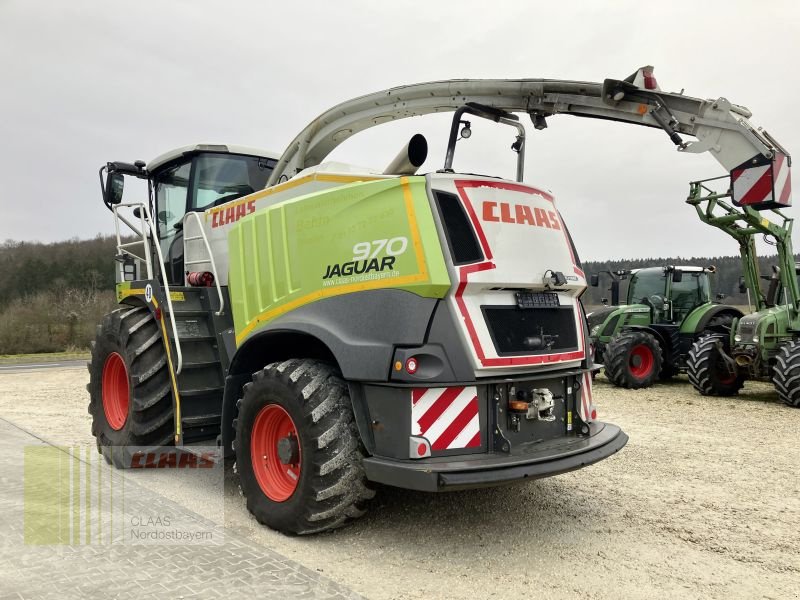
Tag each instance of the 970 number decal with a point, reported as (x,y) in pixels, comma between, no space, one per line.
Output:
(365,258)
(365,250)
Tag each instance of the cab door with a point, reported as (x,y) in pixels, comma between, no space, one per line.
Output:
(171,192)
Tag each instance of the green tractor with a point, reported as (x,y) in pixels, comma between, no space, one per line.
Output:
(649,337)
(765,344)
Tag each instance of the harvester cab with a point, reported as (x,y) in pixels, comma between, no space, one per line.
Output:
(186,180)
(650,335)
(341,326)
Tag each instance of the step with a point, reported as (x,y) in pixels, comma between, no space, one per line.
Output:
(198,350)
(201,420)
(186,313)
(193,328)
(204,433)
(193,338)
(194,392)
(200,364)
(201,427)
(201,379)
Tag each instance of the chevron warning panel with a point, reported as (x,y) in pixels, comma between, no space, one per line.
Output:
(446,417)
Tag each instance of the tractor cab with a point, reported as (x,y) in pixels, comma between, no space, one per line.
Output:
(670,292)
(186,180)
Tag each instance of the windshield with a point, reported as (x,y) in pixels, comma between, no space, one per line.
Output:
(647,283)
(692,291)
(221,178)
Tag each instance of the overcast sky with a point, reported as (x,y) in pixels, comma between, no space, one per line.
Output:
(87,82)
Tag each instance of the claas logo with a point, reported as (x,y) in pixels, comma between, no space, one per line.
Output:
(172,459)
(521,214)
(231,214)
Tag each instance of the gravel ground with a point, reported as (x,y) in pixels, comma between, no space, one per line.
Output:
(703,502)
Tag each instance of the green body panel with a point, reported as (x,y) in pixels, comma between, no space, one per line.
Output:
(625,315)
(691,324)
(769,341)
(304,249)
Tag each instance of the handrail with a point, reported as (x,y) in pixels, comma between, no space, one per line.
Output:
(210,256)
(123,247)
(147,219)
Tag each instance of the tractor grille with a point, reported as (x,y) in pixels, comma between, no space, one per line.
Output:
(747,330)
(515,331)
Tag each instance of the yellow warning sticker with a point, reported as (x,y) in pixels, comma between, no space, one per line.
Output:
(124,293)
(177,296)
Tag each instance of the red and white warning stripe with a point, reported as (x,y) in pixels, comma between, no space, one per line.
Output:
(587,410)
(766,183)
(446,417)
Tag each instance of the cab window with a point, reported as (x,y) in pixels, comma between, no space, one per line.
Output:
(172,186)
(220,178)
(645,285)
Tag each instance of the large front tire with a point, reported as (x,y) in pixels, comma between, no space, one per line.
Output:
(708,371)
(633,359)
(130,398)
(298,453)
(786,375)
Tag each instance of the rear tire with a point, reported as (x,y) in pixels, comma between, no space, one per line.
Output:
(298,452)
(130,397)
(707,369)
(633,359)
(786,375)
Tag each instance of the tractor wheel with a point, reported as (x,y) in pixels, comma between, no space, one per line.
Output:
(633,359)
(708,372)
(298,452)
(786,375)
(130,398)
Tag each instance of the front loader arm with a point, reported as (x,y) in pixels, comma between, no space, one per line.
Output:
(743,224)
(719,126)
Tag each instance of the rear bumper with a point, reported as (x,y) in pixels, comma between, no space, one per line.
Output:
(482,470)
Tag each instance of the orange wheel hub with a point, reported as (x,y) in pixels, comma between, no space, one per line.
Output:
(275,453)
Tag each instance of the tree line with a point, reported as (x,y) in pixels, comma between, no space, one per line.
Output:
(53,295)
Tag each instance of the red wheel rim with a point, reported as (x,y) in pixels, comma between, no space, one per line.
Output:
(116,393)
(277,480)
(641,361)
(724,377)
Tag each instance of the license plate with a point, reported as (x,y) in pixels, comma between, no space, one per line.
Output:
(537,299)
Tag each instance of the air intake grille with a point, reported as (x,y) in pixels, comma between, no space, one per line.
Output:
(461,238)
(515,331)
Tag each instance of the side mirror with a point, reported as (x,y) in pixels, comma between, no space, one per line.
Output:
(742,286)
(677,276)
(720,296)
(115,185)
(604,301)
(594,280)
